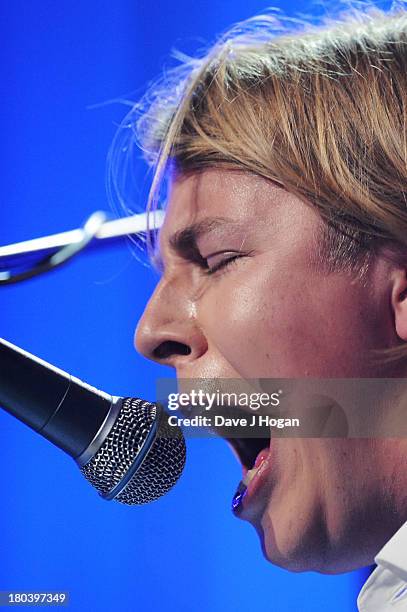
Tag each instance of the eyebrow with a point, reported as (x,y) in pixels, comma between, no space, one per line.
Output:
(184,241)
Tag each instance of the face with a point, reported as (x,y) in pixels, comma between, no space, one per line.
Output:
(241,297)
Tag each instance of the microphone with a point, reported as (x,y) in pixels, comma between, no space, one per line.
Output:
(124,447)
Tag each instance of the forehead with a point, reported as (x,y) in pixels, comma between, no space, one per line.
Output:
(237,202)
(232,194)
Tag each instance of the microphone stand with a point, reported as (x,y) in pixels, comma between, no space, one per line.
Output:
(54,250)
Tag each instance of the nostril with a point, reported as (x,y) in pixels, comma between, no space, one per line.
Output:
(170,347)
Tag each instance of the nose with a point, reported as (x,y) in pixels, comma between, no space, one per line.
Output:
(168,331)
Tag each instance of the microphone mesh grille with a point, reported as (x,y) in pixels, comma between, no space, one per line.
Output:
(160,470)
(161,467)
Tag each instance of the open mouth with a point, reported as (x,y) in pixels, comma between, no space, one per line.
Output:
(247,450)
(252,454)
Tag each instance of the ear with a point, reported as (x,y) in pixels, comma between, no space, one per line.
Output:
(399,303)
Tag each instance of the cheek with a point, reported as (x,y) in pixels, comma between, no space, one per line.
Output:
(268,327)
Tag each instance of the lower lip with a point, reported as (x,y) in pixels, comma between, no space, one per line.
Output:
(244,494)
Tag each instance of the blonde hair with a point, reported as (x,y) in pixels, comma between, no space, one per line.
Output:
(320,110)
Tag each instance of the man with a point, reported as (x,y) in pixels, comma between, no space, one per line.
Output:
(284,255)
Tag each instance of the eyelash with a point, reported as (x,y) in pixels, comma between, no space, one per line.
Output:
(222,264)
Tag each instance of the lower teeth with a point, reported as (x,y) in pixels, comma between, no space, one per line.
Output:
(249,476)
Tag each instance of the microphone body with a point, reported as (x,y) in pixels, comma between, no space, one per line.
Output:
(63,409)
(123,446)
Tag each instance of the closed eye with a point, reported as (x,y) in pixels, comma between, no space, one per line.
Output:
(211,263)
(226,261)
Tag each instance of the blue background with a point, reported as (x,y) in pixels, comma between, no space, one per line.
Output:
(185,552)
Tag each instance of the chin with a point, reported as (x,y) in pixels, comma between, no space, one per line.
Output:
(307,550)
(286,509)
(292,549)
(288,519)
